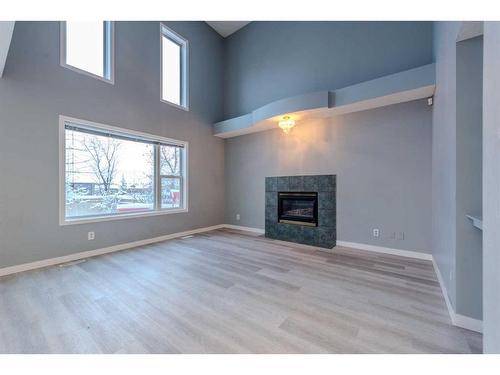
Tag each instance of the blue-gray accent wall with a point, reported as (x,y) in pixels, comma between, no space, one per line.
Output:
(382,157)
(267,61)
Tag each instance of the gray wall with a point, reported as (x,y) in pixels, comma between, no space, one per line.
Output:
(491,188)
(444,155)
(266,61)
(382,159)
(469,157)
(35,90)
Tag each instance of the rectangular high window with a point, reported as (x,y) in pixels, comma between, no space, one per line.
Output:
(87,47)
(114,173)
(174,71)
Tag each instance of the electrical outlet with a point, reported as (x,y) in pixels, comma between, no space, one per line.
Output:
(91,236)
(238,217)
(376,232)
(401,236)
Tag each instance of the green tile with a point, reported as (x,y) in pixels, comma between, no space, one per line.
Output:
(295,183)
(271,230)
(326,237)
(283,183)
(326,200)
(271,199)
(271,184)
(310,183)
(272,213)
(295,232)
(309,236)
(326,183)
(326,218)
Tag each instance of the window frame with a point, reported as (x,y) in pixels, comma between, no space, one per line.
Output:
(109,53)
(157,210)
(184,46)
(160,177)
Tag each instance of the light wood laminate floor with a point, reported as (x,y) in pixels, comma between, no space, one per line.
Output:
(230,292)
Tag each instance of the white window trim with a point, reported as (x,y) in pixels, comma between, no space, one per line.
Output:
(169,33)
(94,219)
(62,55)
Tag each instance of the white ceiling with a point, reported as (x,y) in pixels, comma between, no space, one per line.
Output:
(470,29)
(226,28)
(6,29)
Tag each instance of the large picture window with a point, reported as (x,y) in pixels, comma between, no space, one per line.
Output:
(110,173)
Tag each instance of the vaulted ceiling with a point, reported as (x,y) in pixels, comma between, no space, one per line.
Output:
(226,28)
(6,29)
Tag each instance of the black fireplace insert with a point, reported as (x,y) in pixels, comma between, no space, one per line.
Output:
(298,208)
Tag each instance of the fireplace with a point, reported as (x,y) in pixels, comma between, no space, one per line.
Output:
(302,209)
(298,208)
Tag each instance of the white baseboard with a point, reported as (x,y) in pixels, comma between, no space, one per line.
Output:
(456,319)
(449,306)
(468,323)
(385,250)
(92,253)
(248,229)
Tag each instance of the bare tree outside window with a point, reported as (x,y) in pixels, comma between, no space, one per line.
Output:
(103,159)
(107,175)
(111,172)
(170,160)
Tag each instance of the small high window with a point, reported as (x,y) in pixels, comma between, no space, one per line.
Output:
(174,63)
(87,47)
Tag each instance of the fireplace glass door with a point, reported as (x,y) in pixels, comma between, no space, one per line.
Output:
(298,208)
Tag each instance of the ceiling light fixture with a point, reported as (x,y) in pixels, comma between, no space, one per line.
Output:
(286,124)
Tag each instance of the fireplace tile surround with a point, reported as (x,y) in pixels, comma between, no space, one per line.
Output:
(325,234)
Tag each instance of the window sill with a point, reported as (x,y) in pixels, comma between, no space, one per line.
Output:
(111,80)
(97,219)
(184,108)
